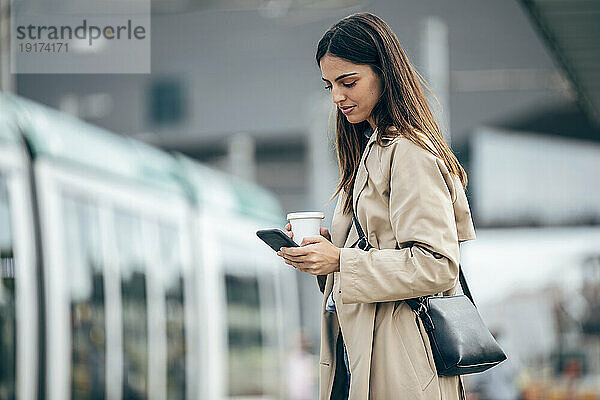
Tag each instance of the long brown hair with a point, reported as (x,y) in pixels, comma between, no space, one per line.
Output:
(366,39)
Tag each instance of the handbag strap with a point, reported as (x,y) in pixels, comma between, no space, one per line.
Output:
(363,244)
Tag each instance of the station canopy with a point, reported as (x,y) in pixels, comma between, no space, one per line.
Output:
(572,31)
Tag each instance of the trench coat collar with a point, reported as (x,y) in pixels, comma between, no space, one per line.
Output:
(362,174)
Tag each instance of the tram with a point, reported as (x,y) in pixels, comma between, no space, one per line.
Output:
(131,273)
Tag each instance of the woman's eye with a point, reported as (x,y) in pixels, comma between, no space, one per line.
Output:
(348,85)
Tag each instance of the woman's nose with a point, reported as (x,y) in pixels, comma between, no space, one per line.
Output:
(337,95)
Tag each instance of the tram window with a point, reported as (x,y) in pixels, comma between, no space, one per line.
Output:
(134,313)
(84,268)
(245,339)
(271,328)
(169,239)
(7,299)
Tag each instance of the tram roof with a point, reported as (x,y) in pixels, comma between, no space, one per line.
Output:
(62,137)
(59,136)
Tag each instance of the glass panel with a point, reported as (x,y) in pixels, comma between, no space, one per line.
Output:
(244,336)
(133,291)
(86,292)
(7,299)
(169,238)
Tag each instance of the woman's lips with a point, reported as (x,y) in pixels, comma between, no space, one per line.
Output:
(348,110)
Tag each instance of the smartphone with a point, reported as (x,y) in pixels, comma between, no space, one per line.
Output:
(275,238)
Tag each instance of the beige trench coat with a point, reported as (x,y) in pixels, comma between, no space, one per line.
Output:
(415,213)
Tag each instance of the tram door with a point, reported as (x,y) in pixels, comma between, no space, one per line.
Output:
(18,290)
(152,269)
(254,329)
(116,291)
(155,281)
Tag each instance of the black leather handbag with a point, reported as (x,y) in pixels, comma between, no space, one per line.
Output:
(460,341)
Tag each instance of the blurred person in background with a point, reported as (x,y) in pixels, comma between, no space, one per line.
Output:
(406,188)
(500,382)
(300,371)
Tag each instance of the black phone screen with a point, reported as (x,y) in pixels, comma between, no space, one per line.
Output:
(275,238)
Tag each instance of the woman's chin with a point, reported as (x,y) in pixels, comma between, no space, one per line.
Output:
(353,119)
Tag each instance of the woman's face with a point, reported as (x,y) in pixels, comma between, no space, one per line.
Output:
(355,88)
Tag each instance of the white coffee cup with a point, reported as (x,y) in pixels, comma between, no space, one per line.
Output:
(305,223)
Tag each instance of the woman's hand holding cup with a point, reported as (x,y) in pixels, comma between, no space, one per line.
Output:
(316,254)
(323,231)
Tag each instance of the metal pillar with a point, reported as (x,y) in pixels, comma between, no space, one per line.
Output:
(436,67)
(241,156)
(7,81)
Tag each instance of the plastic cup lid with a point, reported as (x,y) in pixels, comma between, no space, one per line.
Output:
(305,215)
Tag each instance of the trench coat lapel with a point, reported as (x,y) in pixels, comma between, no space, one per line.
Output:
(341,222)
(362,177)
(362,174)
(343,232)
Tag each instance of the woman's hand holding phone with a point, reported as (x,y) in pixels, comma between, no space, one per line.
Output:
(316,256)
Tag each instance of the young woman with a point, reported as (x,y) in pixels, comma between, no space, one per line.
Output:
(407,190)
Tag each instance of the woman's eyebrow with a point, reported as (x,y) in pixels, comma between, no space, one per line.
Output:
(341,76)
